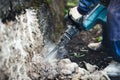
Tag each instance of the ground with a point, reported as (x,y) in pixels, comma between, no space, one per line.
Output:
(79,52)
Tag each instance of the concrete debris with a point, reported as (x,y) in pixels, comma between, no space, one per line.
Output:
(64,70)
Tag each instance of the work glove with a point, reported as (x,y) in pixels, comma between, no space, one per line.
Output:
(75,15)
(74,18)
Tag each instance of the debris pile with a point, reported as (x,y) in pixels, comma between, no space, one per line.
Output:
(64,70)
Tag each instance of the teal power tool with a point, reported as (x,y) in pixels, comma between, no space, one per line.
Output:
(97,15)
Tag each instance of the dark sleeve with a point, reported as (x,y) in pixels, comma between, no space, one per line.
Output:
(85,6)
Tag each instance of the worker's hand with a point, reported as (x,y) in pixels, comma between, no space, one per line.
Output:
(75,15)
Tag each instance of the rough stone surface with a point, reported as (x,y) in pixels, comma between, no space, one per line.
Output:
(20,41)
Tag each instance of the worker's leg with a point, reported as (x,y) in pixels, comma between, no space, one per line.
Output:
(113,20)
(113,33)
(113,28)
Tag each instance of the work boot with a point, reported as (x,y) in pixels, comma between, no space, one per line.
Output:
(96,47)
(113,69)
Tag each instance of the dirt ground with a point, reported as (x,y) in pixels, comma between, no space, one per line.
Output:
(79,52)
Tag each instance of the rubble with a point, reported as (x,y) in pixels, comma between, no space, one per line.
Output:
(21,50)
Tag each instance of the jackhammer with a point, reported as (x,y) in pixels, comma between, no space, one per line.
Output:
(97,15)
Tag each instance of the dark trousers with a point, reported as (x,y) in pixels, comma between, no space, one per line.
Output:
(111,30)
